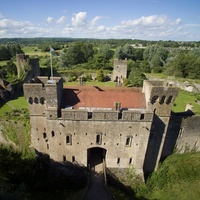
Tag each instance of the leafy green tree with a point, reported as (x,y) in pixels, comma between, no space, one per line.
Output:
(77,53)
(100,62)
(106,52)
(144,66)
(138,53)
(63,62)
(156,55)
(119,53)
(185,65)
(100,75)
(136,77)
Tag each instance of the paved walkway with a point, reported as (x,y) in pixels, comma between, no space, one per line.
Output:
(96,189)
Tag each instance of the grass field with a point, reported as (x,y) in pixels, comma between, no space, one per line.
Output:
(183,99)
(4,62)
(33,51)
(18,103)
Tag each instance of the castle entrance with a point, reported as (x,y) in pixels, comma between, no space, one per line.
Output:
(96,189)
(95,158)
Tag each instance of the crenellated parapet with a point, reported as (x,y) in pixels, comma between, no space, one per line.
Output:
(100,115)
(43,93)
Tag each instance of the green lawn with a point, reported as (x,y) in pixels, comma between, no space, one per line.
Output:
(183,99)
(33,51)
(4,62)
(18,103)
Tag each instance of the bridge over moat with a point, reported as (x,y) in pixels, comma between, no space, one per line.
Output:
(97,177)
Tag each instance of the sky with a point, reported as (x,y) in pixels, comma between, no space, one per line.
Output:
(177,20)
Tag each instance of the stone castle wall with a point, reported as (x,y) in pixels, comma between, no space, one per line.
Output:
(140,137)
(189,135)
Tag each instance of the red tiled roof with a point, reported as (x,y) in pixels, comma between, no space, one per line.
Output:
(102,97)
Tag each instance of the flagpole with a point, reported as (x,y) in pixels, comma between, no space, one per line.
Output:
(51,64)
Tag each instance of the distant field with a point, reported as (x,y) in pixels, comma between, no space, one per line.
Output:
(33,51)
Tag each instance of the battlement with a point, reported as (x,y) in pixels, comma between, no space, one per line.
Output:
(100,115)
(43,93)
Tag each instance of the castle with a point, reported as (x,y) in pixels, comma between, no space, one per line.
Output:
(124,126)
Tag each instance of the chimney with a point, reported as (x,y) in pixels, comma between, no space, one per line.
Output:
(117,105)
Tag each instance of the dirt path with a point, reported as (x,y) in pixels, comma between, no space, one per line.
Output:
(96,190)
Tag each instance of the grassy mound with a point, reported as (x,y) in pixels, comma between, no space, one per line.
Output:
(177,178)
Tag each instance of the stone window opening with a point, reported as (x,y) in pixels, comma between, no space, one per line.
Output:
(98,139)
(130,161)
(36,100)
(42,100)
(142,116)
(128,141)
(169,100)
(64,159)
(154,99)
(30,100)
(89,115)
(52,133)
(69,139)
(118,160)
(47,146)
(162,100)
(73,159)
(44,135)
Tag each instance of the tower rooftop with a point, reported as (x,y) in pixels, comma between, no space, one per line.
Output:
(103,97)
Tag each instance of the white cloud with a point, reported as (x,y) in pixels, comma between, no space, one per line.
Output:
(154,27)
(153,20)
(61,20)
(50,19)
(94,21)
(80,19)
(8,23)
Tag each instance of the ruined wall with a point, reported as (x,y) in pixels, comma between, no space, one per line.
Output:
(189,135)
(21,60)
(120,70)
(33,64)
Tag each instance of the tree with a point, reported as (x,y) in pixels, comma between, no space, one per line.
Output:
(63,62)
(184,65)
(78,53)
(119,53)
(136,77)
(106,52)
(156,55)
(100,75)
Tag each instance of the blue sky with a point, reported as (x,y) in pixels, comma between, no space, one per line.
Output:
(132,19)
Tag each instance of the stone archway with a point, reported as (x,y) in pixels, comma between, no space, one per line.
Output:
(95,157)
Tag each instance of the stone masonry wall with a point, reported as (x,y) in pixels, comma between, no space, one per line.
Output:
(189,135)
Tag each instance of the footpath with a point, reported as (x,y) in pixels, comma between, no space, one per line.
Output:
(96,189)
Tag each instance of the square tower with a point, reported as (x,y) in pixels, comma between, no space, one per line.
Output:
(120,70)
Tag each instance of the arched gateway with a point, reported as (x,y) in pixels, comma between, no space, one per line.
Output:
(95,157)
